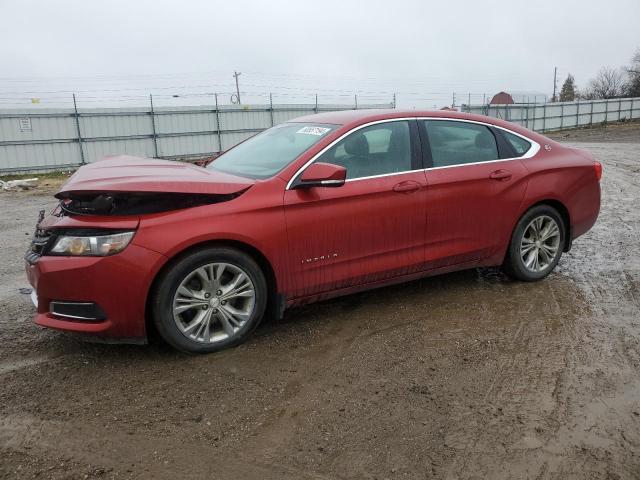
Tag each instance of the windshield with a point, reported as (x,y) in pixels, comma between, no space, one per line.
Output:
(269,152)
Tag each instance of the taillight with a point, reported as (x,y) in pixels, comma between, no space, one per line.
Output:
(598,169)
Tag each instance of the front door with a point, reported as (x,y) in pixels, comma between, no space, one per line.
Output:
(371,228)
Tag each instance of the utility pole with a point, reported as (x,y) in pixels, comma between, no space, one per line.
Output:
(236,75)
(555,84)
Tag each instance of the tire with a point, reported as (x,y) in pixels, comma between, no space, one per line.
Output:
(528,241)
(209,300)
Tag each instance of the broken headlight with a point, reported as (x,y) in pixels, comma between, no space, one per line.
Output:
(91,246)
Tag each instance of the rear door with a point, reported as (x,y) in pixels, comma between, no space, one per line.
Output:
(474,191)
(371,228)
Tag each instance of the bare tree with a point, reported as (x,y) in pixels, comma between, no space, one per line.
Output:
(608,83)
(632,88)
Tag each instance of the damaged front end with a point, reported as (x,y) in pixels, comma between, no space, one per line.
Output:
(124,185)
(136,203)
(73,229)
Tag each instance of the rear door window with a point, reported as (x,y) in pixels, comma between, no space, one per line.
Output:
(458,143)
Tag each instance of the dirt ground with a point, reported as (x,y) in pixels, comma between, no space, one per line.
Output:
(620,132)
(463,376)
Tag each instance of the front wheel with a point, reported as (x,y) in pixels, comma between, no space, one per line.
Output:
(209,300)
(536,245)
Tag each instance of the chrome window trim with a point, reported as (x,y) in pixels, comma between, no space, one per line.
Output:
(384,175)
(321,152)
(535,148)
(472,163)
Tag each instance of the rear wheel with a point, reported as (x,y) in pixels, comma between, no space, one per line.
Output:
(536,245)
(209,300)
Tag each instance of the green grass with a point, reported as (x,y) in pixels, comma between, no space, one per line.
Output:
(61,174)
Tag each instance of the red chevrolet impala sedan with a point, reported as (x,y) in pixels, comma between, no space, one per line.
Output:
(320,206)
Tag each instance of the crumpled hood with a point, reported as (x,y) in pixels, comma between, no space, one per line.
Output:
(124,173)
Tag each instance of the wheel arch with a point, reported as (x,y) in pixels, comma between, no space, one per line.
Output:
(275,302)
(562,210)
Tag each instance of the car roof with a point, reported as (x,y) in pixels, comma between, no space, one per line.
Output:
(354,118)
(347,117)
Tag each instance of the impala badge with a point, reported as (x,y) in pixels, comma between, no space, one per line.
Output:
(320,258)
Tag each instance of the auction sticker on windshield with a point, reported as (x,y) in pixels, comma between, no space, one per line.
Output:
(314,130)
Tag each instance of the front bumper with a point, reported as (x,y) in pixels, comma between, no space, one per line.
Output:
(119,284)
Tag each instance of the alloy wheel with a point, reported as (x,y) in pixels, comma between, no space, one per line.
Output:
(214,302)
(540,244)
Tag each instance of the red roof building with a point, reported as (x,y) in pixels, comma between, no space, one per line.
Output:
(502,98)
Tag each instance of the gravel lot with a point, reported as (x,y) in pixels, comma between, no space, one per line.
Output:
(466,375)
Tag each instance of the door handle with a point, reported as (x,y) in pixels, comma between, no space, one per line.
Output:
(406,187)
(503,175)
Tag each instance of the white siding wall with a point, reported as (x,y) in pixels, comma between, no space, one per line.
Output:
(53,139)
(557,116)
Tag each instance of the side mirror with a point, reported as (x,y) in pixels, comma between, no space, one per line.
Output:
(322,175)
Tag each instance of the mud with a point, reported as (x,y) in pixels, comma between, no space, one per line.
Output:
(462,376)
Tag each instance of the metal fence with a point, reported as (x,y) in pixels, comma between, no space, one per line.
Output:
(547,117)
(53,139)
(59,138)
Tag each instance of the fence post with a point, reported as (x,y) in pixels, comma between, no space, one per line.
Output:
(591,114)
(355,97)
(535,112)
(577,113)
(77,117)
(619,109)
(218,124)
(271,107)
(606,110)
(153,126)
(315,109)
(562,116)
(631,110)
(394,101)
(544,116)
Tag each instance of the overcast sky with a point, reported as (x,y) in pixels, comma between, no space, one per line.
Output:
(422,50)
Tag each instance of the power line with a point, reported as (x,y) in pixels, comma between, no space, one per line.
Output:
(208,74)
(213,89)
